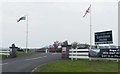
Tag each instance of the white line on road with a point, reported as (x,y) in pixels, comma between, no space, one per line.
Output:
(53,53)
(44,56)
(4,64)
(33,58)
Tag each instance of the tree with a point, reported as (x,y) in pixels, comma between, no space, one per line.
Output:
(65,43)
(87,46)
(74,45)
(56,44)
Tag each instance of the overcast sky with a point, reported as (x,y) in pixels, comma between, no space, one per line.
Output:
(51,21)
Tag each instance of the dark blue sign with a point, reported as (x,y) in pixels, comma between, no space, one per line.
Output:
(105,53)
(103,37)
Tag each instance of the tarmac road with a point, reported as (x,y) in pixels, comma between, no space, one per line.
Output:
(28,63)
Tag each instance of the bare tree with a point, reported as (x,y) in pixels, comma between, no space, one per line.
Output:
(56,44)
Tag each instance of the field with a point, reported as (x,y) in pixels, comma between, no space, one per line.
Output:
(79,66)
(19,54)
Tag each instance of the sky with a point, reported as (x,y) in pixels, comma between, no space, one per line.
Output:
(56,21)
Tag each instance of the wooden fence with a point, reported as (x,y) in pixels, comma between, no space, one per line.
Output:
(84,54)
(79,54)
(5,52)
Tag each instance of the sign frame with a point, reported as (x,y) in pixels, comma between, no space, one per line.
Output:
(104,37)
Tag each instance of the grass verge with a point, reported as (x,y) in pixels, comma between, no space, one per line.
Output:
(19,54)
(79,66)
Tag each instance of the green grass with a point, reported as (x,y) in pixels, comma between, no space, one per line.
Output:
(21,54)
(79,66)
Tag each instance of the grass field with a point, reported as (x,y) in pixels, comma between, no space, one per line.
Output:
(79,66)
(19,54)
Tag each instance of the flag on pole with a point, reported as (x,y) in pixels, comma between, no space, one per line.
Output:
(21,18)
(87,11)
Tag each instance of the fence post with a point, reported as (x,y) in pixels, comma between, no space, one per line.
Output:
(117,60)
(76,54)
(79,53)
(46,50)
(7,56)
(72,55)
(90,59)
(88,55)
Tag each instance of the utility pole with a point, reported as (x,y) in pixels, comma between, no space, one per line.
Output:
(27,34)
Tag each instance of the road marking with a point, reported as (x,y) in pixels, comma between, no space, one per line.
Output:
(44,56)
(33,58)
(38,66)
(53,53)
(4,64)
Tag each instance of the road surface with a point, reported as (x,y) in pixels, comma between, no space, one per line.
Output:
(28,63)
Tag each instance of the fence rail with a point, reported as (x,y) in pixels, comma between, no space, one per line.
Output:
(84,54)
(6,52)
(79,54)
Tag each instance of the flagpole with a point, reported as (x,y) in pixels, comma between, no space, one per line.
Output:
(90,30)
(27,34)
(89,10)
(90,27)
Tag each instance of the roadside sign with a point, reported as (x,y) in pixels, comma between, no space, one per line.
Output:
(105,53)
(103,37)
